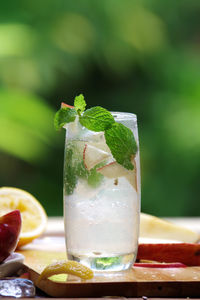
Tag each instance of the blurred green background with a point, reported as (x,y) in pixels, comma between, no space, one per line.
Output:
(136,56)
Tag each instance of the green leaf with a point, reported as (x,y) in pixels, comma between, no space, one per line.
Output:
(74,169)
(104,263)
(70,176)
(81,171)
(80,103)
(122,144)
(63,116)
(95,178)
(97,119)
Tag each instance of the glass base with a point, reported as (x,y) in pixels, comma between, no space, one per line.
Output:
(99,263)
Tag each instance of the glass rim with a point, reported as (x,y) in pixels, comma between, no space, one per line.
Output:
(123,115)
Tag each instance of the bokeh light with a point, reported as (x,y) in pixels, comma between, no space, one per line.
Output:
(134,56)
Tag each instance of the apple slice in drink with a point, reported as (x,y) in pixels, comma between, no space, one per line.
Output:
(132,175)
(115,170)
(66,105)
(92,156)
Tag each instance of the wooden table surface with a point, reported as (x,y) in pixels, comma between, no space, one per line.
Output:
(55,228)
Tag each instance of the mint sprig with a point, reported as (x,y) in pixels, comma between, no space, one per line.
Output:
(79,104)
(75,169)
(97,119)
(70,178)
(122,144)
(119,138)
(63,116)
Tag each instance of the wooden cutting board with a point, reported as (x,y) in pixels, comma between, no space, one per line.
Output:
(137,282)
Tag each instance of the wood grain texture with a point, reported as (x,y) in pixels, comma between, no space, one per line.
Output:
(137,282)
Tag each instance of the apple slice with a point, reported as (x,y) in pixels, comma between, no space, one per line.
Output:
(154,227)
(10,227)
(186,253)
(92,156)
(66,105)
(115,170)
(132,175)
(159,265)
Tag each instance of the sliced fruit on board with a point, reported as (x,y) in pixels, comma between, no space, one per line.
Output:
(159,265)
(115,170)
(10,226)
(66,267)
(186,253)
(154,227)
(92,156)
(34,218)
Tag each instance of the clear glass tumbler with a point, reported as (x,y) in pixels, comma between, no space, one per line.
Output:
(101,199)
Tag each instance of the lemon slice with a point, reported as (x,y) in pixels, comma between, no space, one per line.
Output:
(66,267)
(34,218)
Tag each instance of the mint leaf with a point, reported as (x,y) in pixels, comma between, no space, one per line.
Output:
(104,263)
(81,171)
(74,169)
(70,176)
(97,119)
(79,103)
(122,144)
(63,116)
(95,178)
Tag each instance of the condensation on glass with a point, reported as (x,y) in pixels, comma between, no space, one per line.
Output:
(101,208)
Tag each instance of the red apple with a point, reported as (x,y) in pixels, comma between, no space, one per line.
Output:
(10,227)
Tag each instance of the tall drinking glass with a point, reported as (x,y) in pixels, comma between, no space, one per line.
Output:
(101,199)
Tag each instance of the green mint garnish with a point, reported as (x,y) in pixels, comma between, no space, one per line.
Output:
(104,263)
(122,144)
(81,171)
(79,104)
(63,116)
(94,178)
(75,169)
(97,119)
(119,138)
(70,179)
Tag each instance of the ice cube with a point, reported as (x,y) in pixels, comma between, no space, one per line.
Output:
(17,288)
